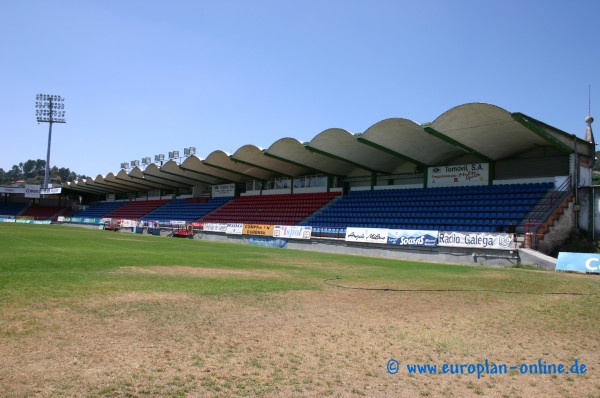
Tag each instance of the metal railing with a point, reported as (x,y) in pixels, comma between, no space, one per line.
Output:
(541,213)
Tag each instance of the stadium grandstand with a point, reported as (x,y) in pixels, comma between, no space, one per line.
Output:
(477,168)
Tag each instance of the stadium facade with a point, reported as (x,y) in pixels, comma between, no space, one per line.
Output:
(471,145)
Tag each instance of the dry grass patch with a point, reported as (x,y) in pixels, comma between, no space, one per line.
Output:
(334,342)
(203,272)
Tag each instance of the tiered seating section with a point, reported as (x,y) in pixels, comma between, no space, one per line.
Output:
(38,212)
(136,209)
(12,209)
(99,210)
(185,209)
(475,209)
(286,209)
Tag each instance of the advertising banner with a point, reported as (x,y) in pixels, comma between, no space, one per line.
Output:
(11,190)
(366,235)
(267,241)
(258,230)
(25,221)
(177,222)
(235,229)
(223,190)
(127,223)
(412,237)
(50,191)
(458,175)
(152,224)
(478,240)
(578,262)
(215,227)
(32,191)
(292,232)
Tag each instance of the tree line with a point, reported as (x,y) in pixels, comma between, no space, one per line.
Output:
(32,172)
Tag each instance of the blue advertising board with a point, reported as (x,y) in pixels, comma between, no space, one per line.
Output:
(579,262)
(412,237)
(267,241)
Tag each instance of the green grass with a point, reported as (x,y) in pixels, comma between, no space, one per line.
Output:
(64,301)
(41,262)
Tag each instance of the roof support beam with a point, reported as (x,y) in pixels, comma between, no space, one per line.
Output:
(305,166)
(457,144)
(259,167)
(243,175)
(532,125)
(207,174)
(155,184)
(112,187)
(86,189)
(332,156)
(127,184)
(188,177)
(390,151)
(166,181)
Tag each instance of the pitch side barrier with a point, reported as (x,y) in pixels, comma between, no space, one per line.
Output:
(24,221)
(383,236)
(376,236)
(453,247)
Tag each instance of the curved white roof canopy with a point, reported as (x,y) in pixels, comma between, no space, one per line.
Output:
(221,160)
(474,132)
(255,156)
(293,151)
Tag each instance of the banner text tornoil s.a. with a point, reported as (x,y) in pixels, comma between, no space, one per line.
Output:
(458,175)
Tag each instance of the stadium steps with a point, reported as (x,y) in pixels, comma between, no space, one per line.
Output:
(555,216)
(534,214)
(331,202)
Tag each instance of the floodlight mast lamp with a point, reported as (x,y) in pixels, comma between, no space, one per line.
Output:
(49,109)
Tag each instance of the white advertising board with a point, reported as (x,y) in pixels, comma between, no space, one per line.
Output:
(223,190)
(292,232)
(215,227)
(478,240)
(458,175)
(367,235)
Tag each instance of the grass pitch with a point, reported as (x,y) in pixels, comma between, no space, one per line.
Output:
(100,314)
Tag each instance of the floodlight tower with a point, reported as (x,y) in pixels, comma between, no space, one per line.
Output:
(49,109)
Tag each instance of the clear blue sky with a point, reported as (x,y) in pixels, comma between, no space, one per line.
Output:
(148,77)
